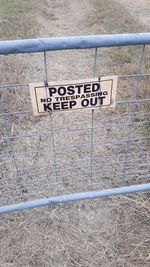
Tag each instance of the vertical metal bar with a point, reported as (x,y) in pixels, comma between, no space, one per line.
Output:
(51,121)
(19,187)
(133,105)
(95,61)
(91,162)
(141,59)
(54,152)
(92,122)
(45,68)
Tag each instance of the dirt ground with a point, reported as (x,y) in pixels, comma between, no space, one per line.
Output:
(139,9)
(110,232)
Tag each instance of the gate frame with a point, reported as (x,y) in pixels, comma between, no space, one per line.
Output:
(65,43)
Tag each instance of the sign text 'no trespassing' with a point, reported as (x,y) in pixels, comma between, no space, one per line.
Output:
(72,95)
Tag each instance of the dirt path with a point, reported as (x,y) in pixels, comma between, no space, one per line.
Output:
(139,8)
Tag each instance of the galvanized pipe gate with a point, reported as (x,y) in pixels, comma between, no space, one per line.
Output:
(81,160)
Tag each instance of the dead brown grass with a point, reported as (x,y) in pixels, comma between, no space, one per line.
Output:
(112,232)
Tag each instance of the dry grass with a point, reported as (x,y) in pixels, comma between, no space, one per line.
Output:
(112,232)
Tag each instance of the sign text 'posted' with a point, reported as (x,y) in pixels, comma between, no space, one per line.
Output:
(72,95)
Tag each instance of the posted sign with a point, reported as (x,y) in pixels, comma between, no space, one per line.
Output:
(72,95)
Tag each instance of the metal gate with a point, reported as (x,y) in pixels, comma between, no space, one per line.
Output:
(74,155)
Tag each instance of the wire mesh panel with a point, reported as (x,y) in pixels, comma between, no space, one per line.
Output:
(75,151)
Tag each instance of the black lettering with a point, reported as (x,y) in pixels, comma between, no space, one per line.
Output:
(95,87)
(72,104)
(56,106)
(47,107)
(105,93)
(70,90)
(85,102)
(64,105)
(87,88)
(79,88)
(43,100)
(62,90)
(99,93)
(62,98)
(52,90)
(82,96)
(101,99)
(93,101)
(93,94)
(88,95)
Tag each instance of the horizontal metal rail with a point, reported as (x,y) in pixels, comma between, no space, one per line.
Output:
(96,180)
(73,42)
(74,197)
